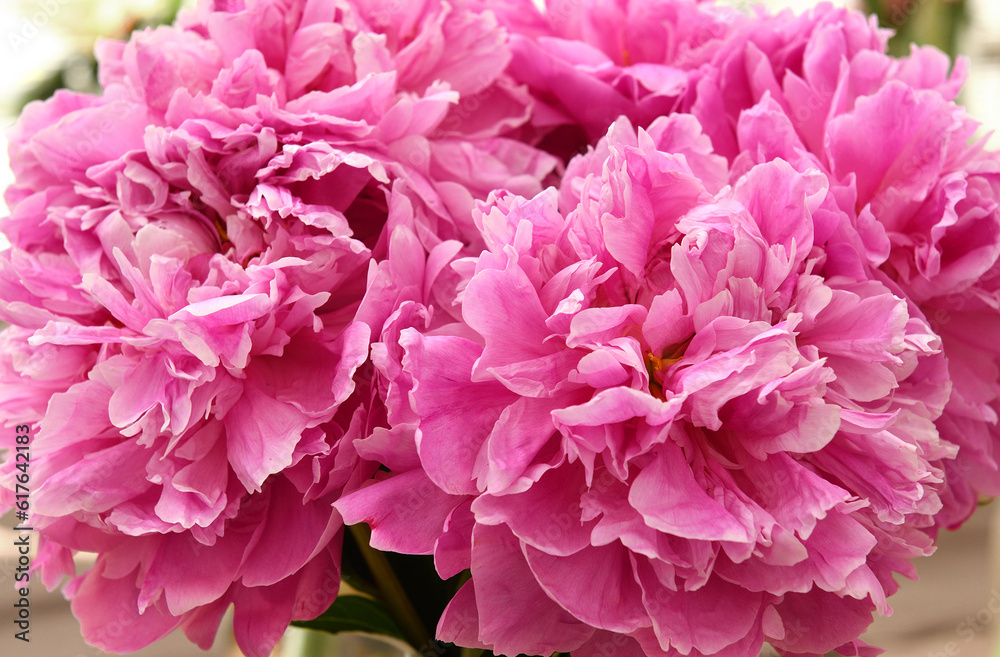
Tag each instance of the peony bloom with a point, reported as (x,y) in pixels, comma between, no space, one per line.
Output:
(921,192)
(818,91)
(190,253)
(732,366)
(815,66)
(663,414)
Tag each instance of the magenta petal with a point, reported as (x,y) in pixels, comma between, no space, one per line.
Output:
(201,625)
(708,619)
(515,615)
(598,325)
(454,422)
(666,323)
(618,405)
(799,611)
(459,623)
(609,597)
(668,497)
(109,614)
(520,433)
(510,291)
(629,238)
(395,448)
(78,488)
(453,549)
(608,644)
(197,490)
(555,525)
(189,574)
(779,200)
(132,400)
(406,512)
(892,138)
(261,615)
(261,434)
(797,495)
(767,132)
(291,534)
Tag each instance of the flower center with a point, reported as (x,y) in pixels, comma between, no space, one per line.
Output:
(657,366)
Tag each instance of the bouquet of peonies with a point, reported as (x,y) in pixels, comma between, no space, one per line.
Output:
(666,328)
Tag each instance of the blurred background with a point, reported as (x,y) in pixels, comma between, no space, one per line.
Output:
(952,611)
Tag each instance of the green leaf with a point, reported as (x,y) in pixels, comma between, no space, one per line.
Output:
(353,613)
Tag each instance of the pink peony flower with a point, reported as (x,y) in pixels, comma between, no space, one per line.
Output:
(668,420)
(732,367)
(937,200)
(819,91)
(815,66)
(190,253)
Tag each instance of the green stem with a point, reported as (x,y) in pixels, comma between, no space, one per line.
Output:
(393,594)
(471,652)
